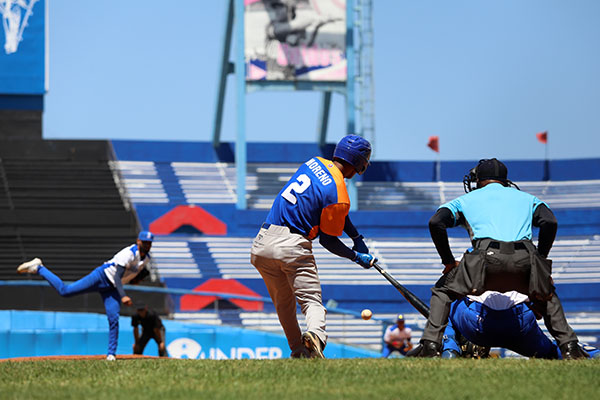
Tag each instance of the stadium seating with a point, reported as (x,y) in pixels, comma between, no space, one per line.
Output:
(59,193)
(150,182)
(393,213)
(411,261)
(61,201)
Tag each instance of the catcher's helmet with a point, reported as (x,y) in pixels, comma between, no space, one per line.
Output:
(355,150)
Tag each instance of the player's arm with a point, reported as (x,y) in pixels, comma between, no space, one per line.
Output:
(438,224)
(333,220)
(544,218)
(140,276)
(334,245)
(358,239)
(119,285)
(157,325)
(387,336)
(337,247)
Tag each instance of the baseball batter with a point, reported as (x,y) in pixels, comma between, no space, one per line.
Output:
(108,279)
(313,203)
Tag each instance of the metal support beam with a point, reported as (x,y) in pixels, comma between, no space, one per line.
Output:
(350,105)
(240,79)
(351,72)
(226,69)
(324,118)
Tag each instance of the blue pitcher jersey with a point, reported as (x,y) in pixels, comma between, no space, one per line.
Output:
(314,200)
(496,212)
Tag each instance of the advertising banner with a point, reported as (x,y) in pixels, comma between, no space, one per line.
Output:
(23,47)
(39,333)
(289,40)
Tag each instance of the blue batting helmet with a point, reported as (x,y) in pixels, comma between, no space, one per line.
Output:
(355,150)
(146,236)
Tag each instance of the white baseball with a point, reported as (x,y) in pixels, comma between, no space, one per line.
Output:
(366,314)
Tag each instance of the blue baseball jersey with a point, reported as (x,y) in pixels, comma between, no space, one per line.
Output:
(496,212)
(314,200)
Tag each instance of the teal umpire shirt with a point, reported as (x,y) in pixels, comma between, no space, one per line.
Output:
(496,212)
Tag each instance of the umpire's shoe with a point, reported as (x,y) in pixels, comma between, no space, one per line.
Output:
(427,349)
(313,344)
(29,267)
(572,351)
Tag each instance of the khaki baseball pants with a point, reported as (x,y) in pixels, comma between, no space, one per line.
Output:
(287,265)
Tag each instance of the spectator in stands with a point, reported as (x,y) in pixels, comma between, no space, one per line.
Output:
(313,203)
(496,319)
(127,265)
(396,338)
(499,218)
(152,328)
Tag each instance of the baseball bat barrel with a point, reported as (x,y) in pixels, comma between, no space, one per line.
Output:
(416,302)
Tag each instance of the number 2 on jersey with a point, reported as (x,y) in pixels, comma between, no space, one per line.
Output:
(296,187)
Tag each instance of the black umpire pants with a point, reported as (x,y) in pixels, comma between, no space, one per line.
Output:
(499,266)
(140,345)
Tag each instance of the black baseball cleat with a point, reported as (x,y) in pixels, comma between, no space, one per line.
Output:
(427,349)
(572,351)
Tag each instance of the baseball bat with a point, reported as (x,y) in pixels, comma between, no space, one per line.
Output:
(407,294)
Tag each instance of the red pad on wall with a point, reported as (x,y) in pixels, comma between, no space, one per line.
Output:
(191,215)
(191,302)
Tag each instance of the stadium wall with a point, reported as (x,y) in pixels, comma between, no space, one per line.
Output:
(34,333)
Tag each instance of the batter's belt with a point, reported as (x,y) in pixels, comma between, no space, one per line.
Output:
(292,230)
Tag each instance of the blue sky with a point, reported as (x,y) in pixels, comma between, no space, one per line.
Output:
(485,76)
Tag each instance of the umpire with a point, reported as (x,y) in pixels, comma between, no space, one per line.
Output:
(152,328)
(499,219)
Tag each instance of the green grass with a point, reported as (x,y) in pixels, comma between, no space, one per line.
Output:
(301,379)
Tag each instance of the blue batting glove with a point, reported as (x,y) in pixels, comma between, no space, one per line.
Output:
(364,260)
(359,245)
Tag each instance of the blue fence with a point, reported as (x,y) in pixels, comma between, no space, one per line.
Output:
(39,333)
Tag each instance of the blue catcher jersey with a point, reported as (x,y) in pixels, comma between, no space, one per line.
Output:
(314,200)
(496,212)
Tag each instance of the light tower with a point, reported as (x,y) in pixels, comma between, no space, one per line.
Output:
(280,45)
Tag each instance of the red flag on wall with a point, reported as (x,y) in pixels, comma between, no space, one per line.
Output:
(434,143)
(542,137)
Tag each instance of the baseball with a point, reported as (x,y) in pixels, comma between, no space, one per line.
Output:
(366,314)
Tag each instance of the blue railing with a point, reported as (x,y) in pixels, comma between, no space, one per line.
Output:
(176,291)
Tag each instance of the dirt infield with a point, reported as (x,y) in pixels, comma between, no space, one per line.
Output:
(98,357)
